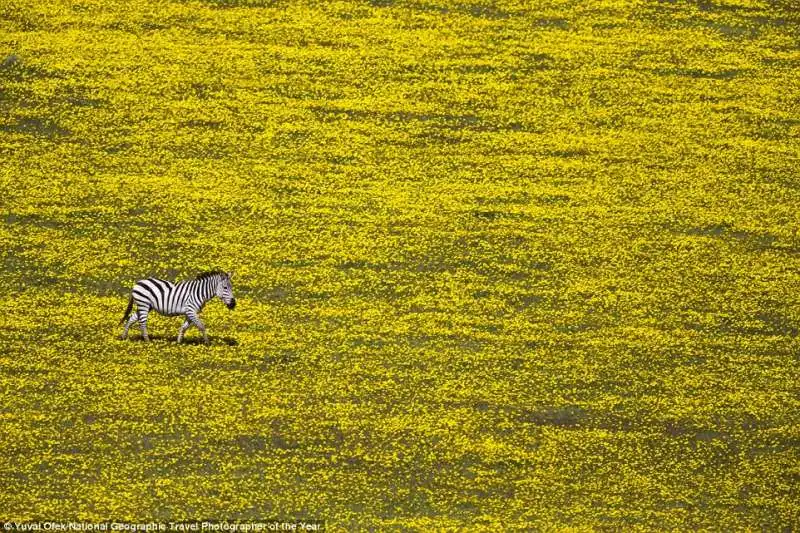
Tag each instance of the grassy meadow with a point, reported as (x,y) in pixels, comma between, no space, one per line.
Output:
(499,264)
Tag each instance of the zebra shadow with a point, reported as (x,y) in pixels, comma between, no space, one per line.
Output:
(192,341)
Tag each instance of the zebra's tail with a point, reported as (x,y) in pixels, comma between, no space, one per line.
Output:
(128,310)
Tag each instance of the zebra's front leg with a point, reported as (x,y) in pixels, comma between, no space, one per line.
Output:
(192,316)
(131,319)
(186,325)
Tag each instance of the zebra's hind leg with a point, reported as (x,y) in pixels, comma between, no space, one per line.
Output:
(143,323)
(131,320)
(186,324)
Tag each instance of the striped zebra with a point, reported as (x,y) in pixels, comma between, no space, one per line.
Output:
(172,299)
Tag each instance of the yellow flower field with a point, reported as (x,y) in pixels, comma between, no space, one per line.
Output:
(499,264)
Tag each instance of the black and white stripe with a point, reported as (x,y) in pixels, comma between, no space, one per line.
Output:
(182,298)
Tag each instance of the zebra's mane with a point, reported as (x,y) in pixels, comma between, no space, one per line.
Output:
(209,273)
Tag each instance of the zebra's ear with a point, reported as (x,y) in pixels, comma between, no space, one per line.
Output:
(230,274)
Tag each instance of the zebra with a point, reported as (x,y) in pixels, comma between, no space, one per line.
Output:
(172,299)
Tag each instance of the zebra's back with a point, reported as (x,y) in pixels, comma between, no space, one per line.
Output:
(162,296)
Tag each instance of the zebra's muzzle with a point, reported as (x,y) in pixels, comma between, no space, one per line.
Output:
(231,304)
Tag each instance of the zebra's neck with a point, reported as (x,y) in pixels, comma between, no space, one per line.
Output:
(206,288)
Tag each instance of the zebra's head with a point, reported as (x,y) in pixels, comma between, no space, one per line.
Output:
(225,290)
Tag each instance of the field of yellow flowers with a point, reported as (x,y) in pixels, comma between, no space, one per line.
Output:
(499,264)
